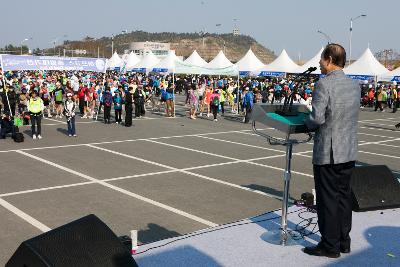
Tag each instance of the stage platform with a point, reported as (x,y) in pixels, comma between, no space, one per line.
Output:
(375,242)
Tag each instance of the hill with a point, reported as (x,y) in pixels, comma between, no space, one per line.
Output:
(207,45)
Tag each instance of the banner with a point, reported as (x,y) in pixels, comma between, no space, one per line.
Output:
(361,77)
(14,62)
(272,74)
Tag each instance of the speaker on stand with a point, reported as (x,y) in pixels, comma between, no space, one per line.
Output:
(82,243)
(374,188)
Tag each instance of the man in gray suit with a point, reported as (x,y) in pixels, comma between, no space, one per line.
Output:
(334,118)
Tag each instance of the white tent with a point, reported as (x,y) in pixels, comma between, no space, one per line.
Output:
(220,61)
(282,64)
(366,65)
(147,63)
(393,75)
(314,62)
(195,59)
(249,62)
(167,64)
(114,62)
(132,60)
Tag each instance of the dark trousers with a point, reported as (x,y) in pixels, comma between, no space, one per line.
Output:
(71,126)
(378,104)
(128,116)
(333,190)
(36,121)
(248,114)
(395,105)
(139,108)
(222,107)
(82,106)
(214,110)
(118,113)
(107,114)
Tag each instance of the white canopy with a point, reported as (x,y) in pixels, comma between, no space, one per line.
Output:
(366,65)
(249,62)
(132,60)
(283,63)
(147,63)
(167,64)
(393,75)
(220,61)
(114,62)
(314,62)
(195,59)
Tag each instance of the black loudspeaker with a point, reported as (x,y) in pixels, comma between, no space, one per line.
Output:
(82,243)
(374,188)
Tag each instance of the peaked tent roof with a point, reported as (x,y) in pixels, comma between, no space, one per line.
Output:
(220,61)
(147,62)
(314,62)
(393,75)
(283,63)
(115,61)
(366,65)
(167,64)
(195,59)
(132,60)
(249,62)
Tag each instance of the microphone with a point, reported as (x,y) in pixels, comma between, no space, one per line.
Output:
(287,106)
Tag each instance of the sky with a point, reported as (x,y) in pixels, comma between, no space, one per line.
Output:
(289,24)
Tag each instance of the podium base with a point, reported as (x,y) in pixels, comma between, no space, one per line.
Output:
(282,238)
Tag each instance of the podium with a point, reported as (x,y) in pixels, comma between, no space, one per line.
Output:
(267,115)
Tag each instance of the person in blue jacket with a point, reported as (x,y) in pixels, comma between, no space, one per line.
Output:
(117,100)
(107,100)
(248,103)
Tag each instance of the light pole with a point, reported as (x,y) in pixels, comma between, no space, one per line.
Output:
(23,41)
(351,33)
(55,41)
(326,36)
(112,44)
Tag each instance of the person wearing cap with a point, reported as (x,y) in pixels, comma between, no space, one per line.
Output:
(394,96)
(248,102)
(58,97)
(117,99)
(107,101)
(35,108)
(69,112)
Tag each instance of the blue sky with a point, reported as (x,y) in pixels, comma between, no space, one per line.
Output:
(286,24)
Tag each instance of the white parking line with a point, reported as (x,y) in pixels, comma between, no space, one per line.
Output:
(389,145)
(378,154)
(192,173)
(121,190)
(120,141)
(222,156)
(237,143)
(26,217)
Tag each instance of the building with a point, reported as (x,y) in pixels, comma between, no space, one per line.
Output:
(236,32)
(158,49)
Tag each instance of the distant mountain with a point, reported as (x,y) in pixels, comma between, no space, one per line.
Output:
(235,47)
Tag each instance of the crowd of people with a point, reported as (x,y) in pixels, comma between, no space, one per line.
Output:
(32,95)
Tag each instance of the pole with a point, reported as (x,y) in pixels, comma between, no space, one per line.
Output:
(351,34)
(112,46)
(173,89)
(285,200)
(64,52)
(4,85)
(98,52)
(237,93)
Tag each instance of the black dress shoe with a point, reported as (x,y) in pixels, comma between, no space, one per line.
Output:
(345,249)
(320,251)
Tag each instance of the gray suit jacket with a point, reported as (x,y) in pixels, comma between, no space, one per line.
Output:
(334,117)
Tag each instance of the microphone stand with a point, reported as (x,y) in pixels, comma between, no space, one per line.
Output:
(288,104)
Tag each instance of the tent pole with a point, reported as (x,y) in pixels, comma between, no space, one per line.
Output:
(173,89)
(237,93)
(4,85)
